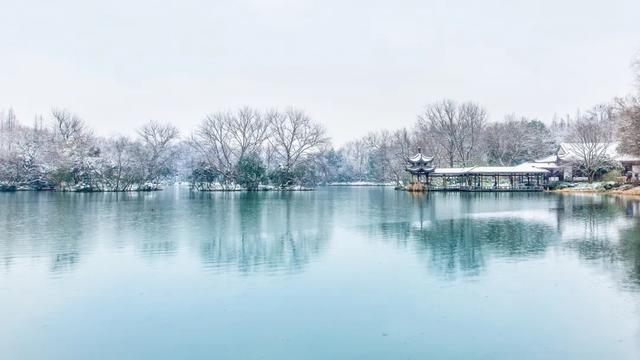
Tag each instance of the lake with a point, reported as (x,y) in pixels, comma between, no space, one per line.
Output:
(340,272)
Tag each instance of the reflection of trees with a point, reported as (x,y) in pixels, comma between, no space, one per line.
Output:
(630,252)
(65,226)
(465,244)
(605,231)
(250,232)
(462,233)
(443,229)
(51,225)
(258,231)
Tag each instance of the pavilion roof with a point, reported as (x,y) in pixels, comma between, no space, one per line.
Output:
(420,159)
(549,159)
(420,169)
(571,151)
(499,170)
(541,164)
(491,170)
(451,171)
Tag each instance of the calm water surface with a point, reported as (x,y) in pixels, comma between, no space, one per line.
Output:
(365,273)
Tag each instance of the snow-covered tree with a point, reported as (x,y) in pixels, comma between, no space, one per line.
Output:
(224,138)
(590,140)
(402,150)
(455,128)
(629,126)
(120,166)
(295,140)
(471,121)
(157,154)
(516,140)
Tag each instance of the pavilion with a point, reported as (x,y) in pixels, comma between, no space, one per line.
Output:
(524,177)
(420,167)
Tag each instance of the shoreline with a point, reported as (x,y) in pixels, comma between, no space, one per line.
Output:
(361,183)
(633,192)
(19,190)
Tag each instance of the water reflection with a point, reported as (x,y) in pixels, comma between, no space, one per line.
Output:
(605,232)
(227,231)
(33,228)
(258,232)
(375,269)
(459,234)
(454,234)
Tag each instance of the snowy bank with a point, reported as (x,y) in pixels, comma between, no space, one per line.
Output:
(604,187)
(235,187)
(362,183)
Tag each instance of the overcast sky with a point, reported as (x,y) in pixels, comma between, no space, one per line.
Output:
(354,66)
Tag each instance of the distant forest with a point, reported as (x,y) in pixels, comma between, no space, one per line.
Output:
(249,149)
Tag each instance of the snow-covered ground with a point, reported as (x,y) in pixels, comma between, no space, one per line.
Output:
(599,186)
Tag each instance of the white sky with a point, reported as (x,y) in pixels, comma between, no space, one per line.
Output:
(354,66)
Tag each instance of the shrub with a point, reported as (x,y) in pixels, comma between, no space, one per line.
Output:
(612,176)
(250,172)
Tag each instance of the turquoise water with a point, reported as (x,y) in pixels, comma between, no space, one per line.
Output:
(353,273)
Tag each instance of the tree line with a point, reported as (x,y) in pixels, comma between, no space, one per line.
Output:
(251,149)
(244,149)
(460,135)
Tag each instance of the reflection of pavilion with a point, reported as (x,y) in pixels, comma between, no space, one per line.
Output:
(455,237)
(425,176)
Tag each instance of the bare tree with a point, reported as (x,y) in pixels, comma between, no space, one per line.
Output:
(456,129)
(120,165)
(420,136)
(212,140)
(157,140)
(22,157)
(356,157)
(504,142)
(605,115)
(294,138)
(68,126)
(628,111)
(249,130)
(74,152)
(516,140)
(441,120)
(471,122)
(629,127)
(590,142)
(560,126)
(635,66)
(380,154)
(401,141)
(225,138)
(8,122)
